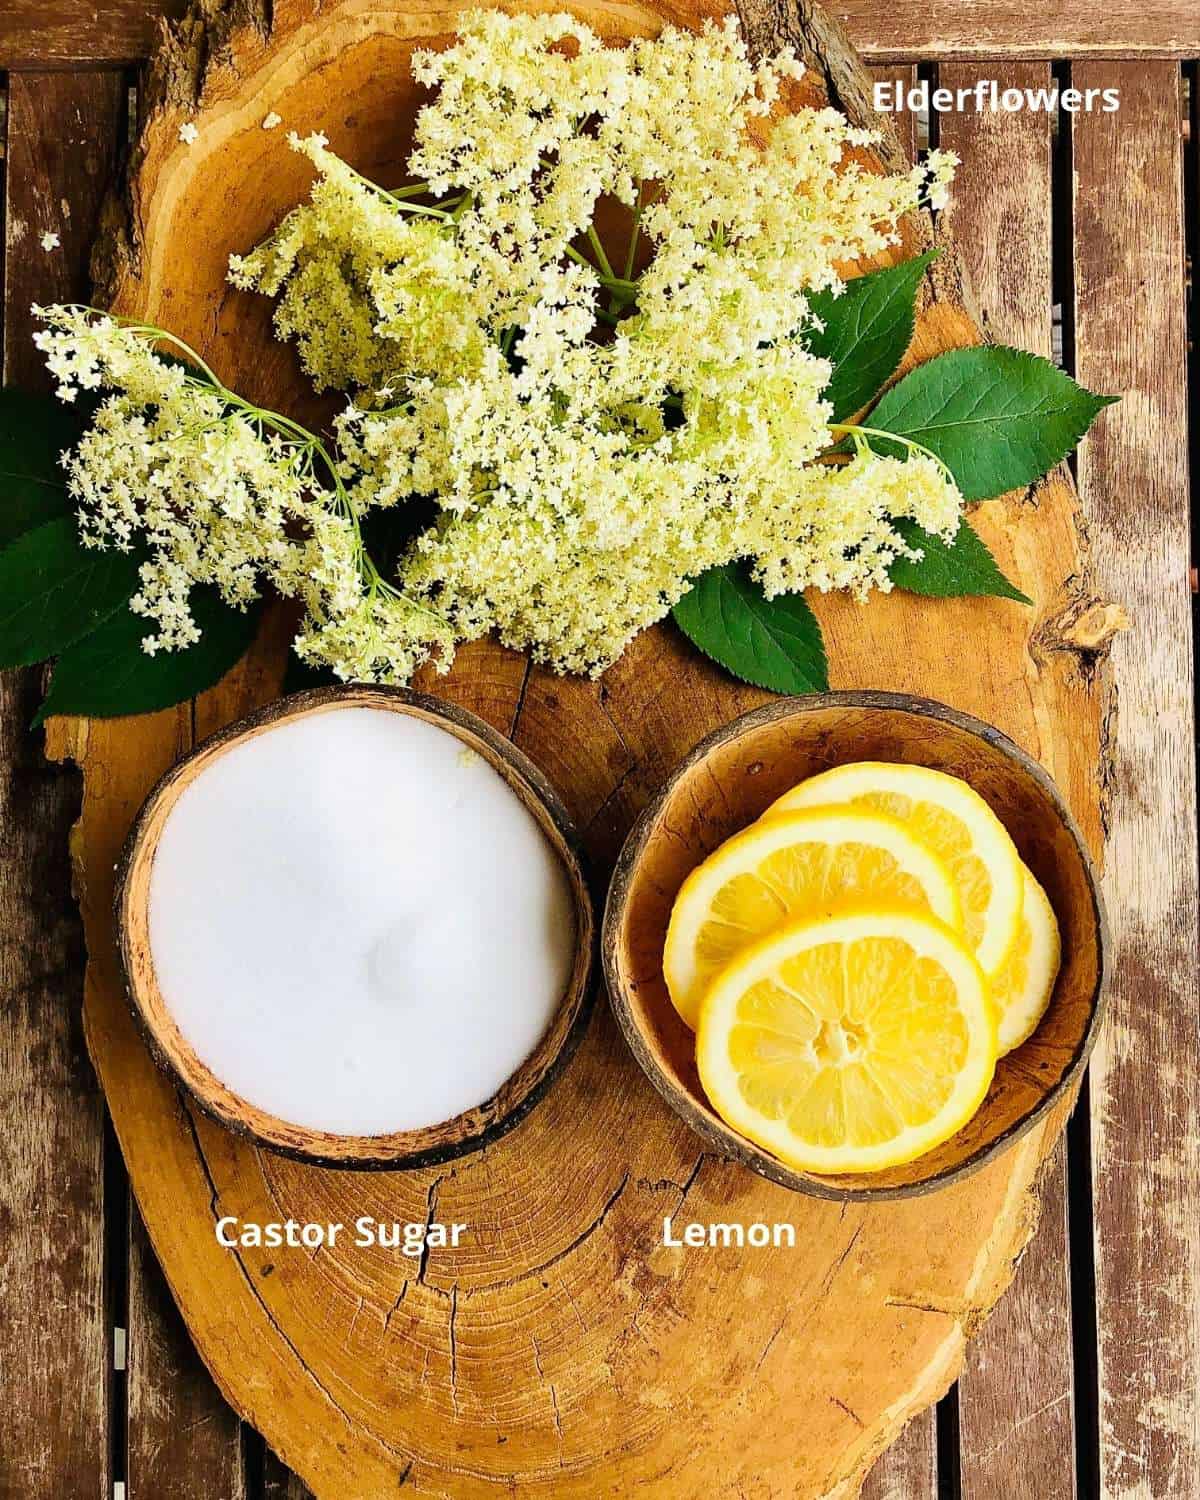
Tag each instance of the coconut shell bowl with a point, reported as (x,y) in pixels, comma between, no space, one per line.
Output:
(409,1148)
(727,782)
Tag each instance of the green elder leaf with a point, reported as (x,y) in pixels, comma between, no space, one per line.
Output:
(866,331)
(54,591)
(997,418)
(773,643)
(34,432)
(950,570)
(108,674)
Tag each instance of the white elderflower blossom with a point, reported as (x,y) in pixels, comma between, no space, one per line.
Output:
(50,241)
(597,415)
(188,133)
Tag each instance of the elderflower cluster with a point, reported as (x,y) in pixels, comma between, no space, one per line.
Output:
(580,332)
(215,491)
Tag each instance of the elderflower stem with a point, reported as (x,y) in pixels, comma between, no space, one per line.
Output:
(397,200)
(304,439)
(601,258)
(631,252)
(857,432)
(414,190)
(617,283)
(159,335)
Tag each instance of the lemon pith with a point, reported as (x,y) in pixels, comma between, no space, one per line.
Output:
(1021,990)
(796,865)
(849,1043)
(955,822)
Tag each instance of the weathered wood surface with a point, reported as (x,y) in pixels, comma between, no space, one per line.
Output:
(1015,1401)
(55,1330)
(64,33)
(360,1370)
(1130,336)
(1006,29)
(183,1441)
(907,1470)
(1130,1404)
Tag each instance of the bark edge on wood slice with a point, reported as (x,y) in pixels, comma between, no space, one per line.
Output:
(564,1350)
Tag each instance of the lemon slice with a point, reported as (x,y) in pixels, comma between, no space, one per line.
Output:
(851,1043)
(779,869)
(1021,990)
(958,826)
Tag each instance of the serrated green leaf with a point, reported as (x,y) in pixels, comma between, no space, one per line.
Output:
(772,643)
(866,331)
(34,432)
(107,674)
(54,591)
(997,418)
(950,570)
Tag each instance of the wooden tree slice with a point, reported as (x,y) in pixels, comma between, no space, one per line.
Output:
(562,1351)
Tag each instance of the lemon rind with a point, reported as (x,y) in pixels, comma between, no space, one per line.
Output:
(841,784)
(694,898)
(1040,915)
(760,959)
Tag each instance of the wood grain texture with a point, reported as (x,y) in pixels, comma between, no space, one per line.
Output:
(564,1351)
(1007,29)
(1130,337)
(54,1332)
(63,144)
(907,1470)
(904,122)
(183,1442)
(69,33)
(1015,1394)
(79,33)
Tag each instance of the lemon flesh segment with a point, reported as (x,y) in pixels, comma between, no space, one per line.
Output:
(850,1043)
(1022,989)
(955,822)
(804,864)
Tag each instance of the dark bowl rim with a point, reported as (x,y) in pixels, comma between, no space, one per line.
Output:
(723,1138)
(584,990)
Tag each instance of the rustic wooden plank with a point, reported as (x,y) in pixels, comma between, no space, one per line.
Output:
(68,33)
(55,1336)
(904,74)
(74,33)
(62,149)
(1130,338)
(908,1469)
(987,29)
(63,142)
(182,1440)
(1016,1393)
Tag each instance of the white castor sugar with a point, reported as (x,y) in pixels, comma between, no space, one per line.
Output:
(357,924)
